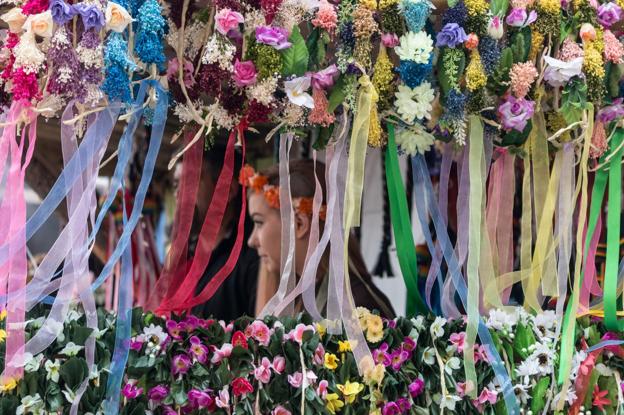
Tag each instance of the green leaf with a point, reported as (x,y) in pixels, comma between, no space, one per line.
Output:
(499,7)
(74,371)
(296,57)
(312,43)
(81,334)
(614,73)
(337,95)
(323,138)
(498,83)
(523,338)
(539,395)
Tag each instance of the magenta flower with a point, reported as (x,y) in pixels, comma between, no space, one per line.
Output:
(167,410)
(262,373)
(416,388)
(391,408)
(319,355)
(515,113)
(180,364)
(244,73)
(321,390)
(198,350)
(609,14)
(457,340)
(408,344)
(520,17)
(131,391)
(199,399)
(381,356)
(280,410)
(136,345)
(404,405)
(324,79)
(191,322)
(259,332)
(398,357)
(158,393)
(175,329)
(611,112)
(390,40)
(488,396)
(273,36)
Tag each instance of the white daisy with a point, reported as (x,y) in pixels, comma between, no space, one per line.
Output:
(414,140)
(414,103)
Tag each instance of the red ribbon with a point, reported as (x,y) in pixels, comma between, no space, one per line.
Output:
(184,298)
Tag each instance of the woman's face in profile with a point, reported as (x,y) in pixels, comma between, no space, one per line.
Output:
(266,235)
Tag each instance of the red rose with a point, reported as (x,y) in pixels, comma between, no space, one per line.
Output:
(239,339)
(241,386)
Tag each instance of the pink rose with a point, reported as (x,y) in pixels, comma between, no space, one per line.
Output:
(390,40)
(227,20)
(244,73)
(262,373)
(279,364)
(295,380)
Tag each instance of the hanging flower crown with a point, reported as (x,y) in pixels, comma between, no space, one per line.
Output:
(259,183)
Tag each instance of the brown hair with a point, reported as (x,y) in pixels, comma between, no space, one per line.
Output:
(303,184)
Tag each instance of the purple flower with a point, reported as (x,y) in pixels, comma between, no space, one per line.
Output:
(609,14)
(381,356)
(416,388)
(92,16)
(180,364)
(199,399)
(61,11)
(273,36)
(158,393)
(131,391)
(167,410)
(175,329)
(451,35)
(198,350)
(515,113)
(191,322)
(520,18)
(391,408)
(408,344)
(404,405)
(611,112)
(136,345)
(324,79)
(398,357)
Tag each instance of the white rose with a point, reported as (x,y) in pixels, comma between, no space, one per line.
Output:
(40,24)
(15,19)
(117,18)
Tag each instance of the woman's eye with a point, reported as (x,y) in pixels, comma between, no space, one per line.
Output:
(257,223)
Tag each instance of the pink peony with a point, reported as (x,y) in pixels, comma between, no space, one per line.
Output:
(262,373)
(244,73)
(515,113)
(227,19)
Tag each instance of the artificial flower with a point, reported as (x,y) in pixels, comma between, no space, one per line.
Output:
(258,330)
(61,11)
(415,46)
(324,78)
(333,403)
(280,410)
(414,103)
(295,380)
(520,17)
(515,113)
(350,390)
(449,402)
(31,404)
(158,393)
(276,37)
(390,40)
(331,361)
(3,335)
(452,364)
(92,16)
(609,14)
(222,353)
(416,388)
(522,77)
(71,349)
(451,36)
(244,73)
(587,32)
(15,19)
(375,375)
(241,386)
(40,24)
(495,28)
(199,399)
(53,370)
(558,72)
(117,18)
(279,364)
(131,390)
(180,364)
(32,363)
(226,20)
(414,142)
(296,91)
(437,327)
(262,372)
(223,400)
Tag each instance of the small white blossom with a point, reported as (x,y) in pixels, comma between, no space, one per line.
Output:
(452,364)
(414,103)
(31,405)
(429,356)
(52,369)
(296,90)
(71,349)
(32,363)
(437,327)
(449,402)
(220,51)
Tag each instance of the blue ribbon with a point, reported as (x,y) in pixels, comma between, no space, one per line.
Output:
(423,186)
(123,330)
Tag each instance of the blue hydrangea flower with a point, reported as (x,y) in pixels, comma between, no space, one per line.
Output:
(150,32)
(416,13)
(413,74)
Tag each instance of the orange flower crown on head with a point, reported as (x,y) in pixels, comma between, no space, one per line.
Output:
(248,177)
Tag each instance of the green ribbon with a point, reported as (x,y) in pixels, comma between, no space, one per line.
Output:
(406,249)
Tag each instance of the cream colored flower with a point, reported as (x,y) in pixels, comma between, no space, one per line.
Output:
(415,46)
(117,17)
(40,24)
(296,90)
(15,19)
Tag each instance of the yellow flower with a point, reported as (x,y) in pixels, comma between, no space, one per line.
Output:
(369,4)
(350,390)
(375,375)
(374,332)
(476,7)
(475,75)
(8,385)
(3,315)
(333,404)
(331,361)
(321,330)
(362,314)
(2,335)
(344,346)
(375,134)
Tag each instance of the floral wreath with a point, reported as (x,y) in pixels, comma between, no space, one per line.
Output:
(259,183)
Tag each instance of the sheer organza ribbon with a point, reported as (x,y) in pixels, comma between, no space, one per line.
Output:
(187,197)
(424,188)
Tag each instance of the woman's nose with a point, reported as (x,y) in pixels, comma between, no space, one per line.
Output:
(253,240)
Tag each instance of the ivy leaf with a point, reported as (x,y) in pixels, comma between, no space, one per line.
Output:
(296,57)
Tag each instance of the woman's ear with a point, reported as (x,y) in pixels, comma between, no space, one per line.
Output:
(302,225)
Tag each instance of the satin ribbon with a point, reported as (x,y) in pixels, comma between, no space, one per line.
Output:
(569,320)
(287,246)
(423,187)
(406,249)
(14,275)
(187,198)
